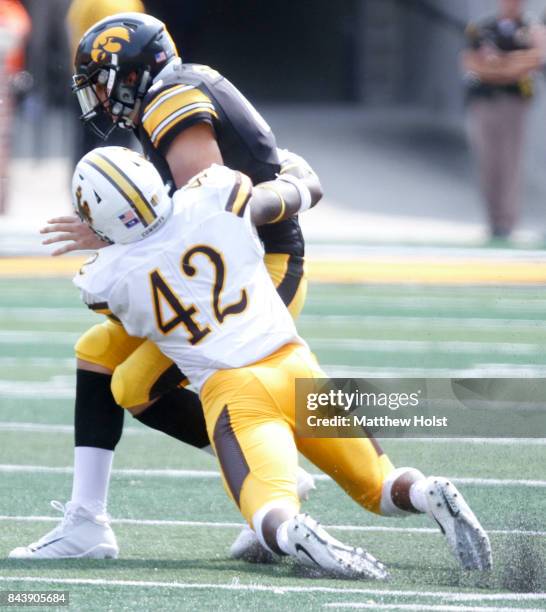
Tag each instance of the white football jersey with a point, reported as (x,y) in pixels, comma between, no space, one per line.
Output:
(198,286)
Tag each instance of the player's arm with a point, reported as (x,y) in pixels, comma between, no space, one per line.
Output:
(71,230)
(179,122)
(192,151)
(296,189)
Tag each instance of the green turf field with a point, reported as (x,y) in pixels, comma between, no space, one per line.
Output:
(174,522)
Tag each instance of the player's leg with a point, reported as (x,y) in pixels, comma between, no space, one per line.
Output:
(364,472)
(98,420)
(151,387)
(407,490)
(146,384)
(257,452)
(98,424)
(288,275)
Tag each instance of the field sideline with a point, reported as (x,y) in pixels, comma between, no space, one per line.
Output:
(175,524)
(453,266)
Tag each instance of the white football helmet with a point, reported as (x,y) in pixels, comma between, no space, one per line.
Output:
(119,194)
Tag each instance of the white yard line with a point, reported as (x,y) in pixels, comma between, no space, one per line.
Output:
(418,322)
(131,473)
(479,370)
(182,473)
(420,346)
(279,589)
(38,362)
(39,313)
(519,442)
(14,336)
(81,314)
(69,429)
(406,346)
(64,429)
(518,306)
(232,525)
(58,387)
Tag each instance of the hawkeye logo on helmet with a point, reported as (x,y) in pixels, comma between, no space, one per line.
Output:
(108,42)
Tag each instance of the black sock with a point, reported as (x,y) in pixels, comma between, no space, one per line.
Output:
(98,420)
(179,414)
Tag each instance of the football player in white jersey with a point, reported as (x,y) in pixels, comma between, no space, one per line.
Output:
(188,274)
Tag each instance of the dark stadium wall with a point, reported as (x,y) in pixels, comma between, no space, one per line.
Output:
(282,51)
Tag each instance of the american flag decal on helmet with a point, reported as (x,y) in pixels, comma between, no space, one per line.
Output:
(129,219)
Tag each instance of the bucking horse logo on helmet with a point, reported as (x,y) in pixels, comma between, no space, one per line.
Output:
(83,207)
(108,42)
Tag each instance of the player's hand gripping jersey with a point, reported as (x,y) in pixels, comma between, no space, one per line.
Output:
(185,94)
(198,287)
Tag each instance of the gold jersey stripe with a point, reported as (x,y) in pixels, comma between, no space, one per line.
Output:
(245,191)
(102,311)
(240,195)
(167,93)
(125,186)
(179,118)
(173,103)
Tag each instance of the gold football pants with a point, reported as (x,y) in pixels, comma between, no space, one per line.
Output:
(140,370)
(250,414)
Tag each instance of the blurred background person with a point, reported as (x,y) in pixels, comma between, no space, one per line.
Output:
(81,16)
(503,53)
(14,28)
(46,53)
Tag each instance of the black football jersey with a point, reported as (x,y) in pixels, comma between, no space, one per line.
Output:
(187,94)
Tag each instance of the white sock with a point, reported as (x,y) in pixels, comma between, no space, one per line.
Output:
(418,495)
(282,539)
(92,467)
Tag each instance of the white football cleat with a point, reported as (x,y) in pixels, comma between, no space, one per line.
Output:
(466,537)
(315,548)
(247,546)
(80,534)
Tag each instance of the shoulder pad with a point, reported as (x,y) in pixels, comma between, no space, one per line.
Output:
(171,105)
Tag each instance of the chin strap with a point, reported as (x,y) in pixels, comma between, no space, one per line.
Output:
(128,121)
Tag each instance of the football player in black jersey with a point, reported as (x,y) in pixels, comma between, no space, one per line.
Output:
(187,117)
